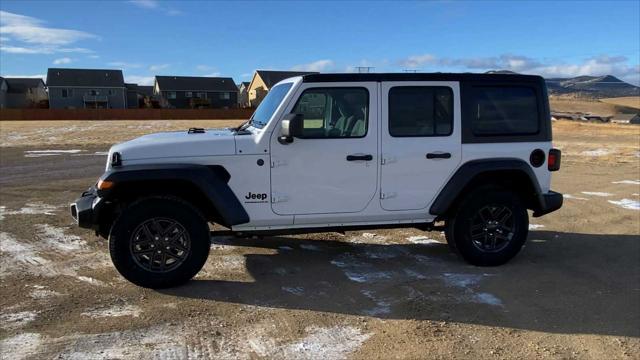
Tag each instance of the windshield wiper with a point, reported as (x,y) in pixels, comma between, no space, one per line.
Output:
(244,125)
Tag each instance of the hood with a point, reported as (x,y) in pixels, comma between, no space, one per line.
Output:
(177,144)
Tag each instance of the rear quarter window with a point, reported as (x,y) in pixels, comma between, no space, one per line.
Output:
(504,110)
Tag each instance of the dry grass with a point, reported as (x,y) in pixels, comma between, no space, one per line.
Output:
(81,133)
(583,106)
(628,101)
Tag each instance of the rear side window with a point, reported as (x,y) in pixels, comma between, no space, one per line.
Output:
(420,111)
(504,110)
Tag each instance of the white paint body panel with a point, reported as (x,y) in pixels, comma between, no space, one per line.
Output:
(312,184)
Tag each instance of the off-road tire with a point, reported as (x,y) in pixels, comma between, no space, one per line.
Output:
(141,212)
(458,230)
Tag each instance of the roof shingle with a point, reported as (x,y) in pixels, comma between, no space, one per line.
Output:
(196,83)
(85,77)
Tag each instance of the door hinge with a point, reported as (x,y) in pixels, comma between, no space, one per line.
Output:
(387,195)
(387,160)
(276,163)
(278,198)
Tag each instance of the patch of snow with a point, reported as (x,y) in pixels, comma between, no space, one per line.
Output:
(486,298)
(17,320)
(56,238)
(596,152)
(90,280)
(535,226)
(635,194)
(36,208)
(368,235)
(597,193)
(41,153)
(359,271)
(40,294)
(310,247)
(324,343)
(627,182)
(21,346)
(569,196)
(285,248)
(114,311)
(422,240)
(298,290)
(414,274)
(627,204)
(18,254)
(461,280)
(382,306)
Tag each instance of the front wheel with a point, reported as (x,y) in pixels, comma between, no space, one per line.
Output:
(159,242)
(489,227)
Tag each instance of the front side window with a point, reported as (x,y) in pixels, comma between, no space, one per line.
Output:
(224,96)
(65,93)
(188,94)
(171,94)
(420,111)
(269,104)
(334,112)
(504,110)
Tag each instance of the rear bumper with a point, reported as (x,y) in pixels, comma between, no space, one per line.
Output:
(550,202)
(85,210)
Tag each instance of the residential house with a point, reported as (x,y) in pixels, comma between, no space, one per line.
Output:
(4,87)
(243,94)
(24,93)
(86,88)
(626,119)
(138,95)
(263,80)
(191,92)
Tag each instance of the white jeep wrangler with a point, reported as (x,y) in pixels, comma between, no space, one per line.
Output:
(333,152)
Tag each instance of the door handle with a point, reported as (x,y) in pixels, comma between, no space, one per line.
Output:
(359,157)
(438,155)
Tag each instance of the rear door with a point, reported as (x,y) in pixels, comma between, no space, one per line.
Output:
(420,141)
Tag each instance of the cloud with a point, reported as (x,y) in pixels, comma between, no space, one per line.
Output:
(147,4)
(213,74)
(64,60)
(204,67)
(34,37)
(319,66)
(596,66)
(139,79)
(124,64)
(155,5)
(158,67)
(93,57)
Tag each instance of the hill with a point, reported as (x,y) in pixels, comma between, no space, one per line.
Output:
(590,87)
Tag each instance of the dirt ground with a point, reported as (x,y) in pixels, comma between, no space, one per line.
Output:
(573,292)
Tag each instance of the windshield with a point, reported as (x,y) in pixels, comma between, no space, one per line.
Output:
(269,105)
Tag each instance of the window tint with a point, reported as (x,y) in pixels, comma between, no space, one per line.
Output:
(504,111)
(334,112)
(420,111)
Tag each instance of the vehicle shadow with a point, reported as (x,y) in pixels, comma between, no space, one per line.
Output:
(559,283)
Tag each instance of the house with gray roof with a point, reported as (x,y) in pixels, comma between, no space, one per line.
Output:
(263,80)
(193,92)
(86,88)
(22,93)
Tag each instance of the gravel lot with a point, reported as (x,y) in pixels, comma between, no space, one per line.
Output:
(573,292)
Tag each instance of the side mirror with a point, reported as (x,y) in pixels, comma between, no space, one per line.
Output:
(291,126)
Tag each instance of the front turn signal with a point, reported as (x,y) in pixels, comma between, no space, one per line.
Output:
(104,185)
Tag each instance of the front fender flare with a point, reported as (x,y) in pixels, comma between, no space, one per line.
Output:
(211,181)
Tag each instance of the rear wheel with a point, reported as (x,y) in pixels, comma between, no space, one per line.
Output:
(489,227)
(159,242)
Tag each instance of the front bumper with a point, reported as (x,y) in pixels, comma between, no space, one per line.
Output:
(549,202)
(86,209)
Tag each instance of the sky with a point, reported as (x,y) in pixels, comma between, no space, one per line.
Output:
(234,38)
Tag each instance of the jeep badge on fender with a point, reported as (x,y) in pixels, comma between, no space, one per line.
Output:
(466,153)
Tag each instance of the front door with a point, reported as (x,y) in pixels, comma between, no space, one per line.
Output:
(333,169)
(420,146)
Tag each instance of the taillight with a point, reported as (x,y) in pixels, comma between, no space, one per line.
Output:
(553,161)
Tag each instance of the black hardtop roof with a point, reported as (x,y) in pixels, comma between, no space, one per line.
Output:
(348,77)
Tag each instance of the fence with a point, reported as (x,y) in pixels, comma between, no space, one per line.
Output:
(124,114)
